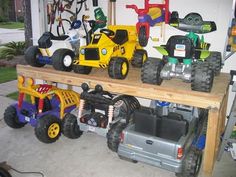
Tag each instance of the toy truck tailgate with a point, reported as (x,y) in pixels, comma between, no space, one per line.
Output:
(146,144)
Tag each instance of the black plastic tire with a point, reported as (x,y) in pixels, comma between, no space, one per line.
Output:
(11,118)
(174,15)
(151,70)
(139,57)
(192,163)
(215,61)
(42,129)
(70,127)
(202,77)
(124,106)
(4,173)
(116,68)
(142,38)
(60,62)
(82,69)
(31,56)
(113,136)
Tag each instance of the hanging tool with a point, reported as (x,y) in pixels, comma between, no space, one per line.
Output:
(111,12)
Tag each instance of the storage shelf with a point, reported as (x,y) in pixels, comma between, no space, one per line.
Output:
(173,91)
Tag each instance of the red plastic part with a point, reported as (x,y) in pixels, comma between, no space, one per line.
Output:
(40,107)
(147,6)
(20,99)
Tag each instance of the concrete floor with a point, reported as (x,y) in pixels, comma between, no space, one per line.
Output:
(87,156)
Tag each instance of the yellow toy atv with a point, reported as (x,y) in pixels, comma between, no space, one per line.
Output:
(114,48)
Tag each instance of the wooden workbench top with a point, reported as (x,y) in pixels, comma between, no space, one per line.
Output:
(173,90)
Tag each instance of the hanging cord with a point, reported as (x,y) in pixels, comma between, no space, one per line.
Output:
(27,172)
(7,167)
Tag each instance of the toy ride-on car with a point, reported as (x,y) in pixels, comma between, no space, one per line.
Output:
(114,48)
(173,141)
(45,112)
(102,113)
(150,15)
(59,51)
(185,57)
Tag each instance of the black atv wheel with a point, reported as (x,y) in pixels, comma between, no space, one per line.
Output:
(118,68)
(174,15)
(139,57)
(82,69)
(192,163)
(215,61)
(113,136)
(142,36)
(31,56)
(202,77)
(70,127)
(4,173)
(48,129)
(62,59)
(11,118)
(151,71)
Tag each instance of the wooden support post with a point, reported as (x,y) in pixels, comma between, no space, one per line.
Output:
(223,112)
(211,141)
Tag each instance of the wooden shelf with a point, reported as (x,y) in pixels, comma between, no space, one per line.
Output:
(173,91)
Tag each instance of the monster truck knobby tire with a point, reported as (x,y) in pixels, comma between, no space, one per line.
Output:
(70,127)
(11,118)
(151,69)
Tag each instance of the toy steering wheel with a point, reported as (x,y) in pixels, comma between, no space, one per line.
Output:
(107,32)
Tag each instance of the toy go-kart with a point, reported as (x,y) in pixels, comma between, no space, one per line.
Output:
(100,112)
(48,107)
(187,58)
(114,48)
(173,141)
(56,50)
(151,15)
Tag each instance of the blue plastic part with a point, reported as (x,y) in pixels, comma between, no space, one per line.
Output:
(76,24)
(162,103)
(200,142)
(45,60)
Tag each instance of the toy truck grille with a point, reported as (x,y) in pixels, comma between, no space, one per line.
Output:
(92,54)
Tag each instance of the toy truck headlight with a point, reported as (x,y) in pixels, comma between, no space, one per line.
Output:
(104,51)
(82,51)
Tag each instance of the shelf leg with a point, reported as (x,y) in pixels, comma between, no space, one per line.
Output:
(211,141)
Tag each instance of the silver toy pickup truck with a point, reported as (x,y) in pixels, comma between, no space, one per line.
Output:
(173,141)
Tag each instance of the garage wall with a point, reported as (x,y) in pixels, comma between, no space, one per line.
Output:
(216,10)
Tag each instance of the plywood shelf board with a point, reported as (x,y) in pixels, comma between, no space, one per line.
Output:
(173,90)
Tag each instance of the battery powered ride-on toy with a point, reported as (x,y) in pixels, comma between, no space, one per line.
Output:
(100,112)
(173,141)
(151,15)
(49,105)
(59,51)
(187,58)
(114,48)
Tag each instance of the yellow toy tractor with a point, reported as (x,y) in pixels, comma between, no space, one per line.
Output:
(114,47)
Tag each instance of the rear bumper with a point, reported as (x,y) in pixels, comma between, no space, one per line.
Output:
(149,158)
